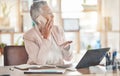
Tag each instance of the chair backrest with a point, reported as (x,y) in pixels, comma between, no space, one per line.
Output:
(15,55)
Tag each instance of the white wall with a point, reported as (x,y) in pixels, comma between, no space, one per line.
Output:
(112,9)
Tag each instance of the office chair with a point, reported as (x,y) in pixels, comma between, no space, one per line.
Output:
(15,55)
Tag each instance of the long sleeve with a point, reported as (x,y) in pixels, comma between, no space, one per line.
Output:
(67,54)
(33,44)
(60,39)
(36,54)
(32,50)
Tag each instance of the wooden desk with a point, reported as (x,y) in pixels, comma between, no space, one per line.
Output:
(16,72)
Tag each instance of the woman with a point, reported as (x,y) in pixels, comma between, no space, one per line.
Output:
(45,43)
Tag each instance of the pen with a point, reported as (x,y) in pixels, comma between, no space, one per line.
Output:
(12,69)
(5,75)
(108,58)
(113,60)
(114,56)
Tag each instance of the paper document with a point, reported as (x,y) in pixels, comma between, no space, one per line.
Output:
(64,66)
(97,69)
(28,66)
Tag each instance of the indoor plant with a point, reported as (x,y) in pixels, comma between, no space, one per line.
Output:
(2,45)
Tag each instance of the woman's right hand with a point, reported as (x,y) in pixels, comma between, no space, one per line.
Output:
(46,30)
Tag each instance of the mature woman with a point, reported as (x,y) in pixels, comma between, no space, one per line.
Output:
(45,43)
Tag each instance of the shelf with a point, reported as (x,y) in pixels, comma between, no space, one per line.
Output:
(89,8)
(109,31)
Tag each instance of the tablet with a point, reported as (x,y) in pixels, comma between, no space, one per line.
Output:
(92,57)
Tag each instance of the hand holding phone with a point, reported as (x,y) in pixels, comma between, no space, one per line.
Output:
(42,20)
(46,29)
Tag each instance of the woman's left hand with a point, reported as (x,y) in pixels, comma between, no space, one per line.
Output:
(66,44)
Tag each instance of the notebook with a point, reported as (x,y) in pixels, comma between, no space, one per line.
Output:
(45,71)
(92,57)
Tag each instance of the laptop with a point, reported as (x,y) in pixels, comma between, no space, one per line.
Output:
(92,57)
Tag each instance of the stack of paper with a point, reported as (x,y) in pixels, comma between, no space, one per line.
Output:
(27,66)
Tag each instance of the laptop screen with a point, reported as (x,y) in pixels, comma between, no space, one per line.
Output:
(92,57)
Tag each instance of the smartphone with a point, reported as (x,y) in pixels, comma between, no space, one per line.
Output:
(41,19)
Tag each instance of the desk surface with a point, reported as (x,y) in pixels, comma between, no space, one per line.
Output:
(79,72)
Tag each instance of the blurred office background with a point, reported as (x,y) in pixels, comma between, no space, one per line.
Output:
(88,23)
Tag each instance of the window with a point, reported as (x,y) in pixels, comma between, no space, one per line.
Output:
(71,24)
(86,13)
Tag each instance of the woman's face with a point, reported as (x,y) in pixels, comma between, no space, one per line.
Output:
(47,13)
